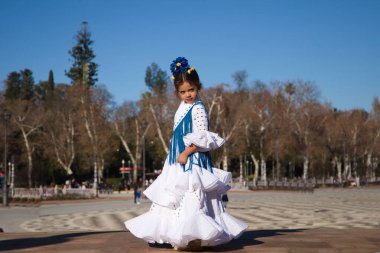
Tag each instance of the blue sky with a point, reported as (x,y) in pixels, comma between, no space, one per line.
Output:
(333,43)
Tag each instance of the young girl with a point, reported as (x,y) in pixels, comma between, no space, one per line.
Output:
(187,211)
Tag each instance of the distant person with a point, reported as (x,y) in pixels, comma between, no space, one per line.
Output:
(138,191)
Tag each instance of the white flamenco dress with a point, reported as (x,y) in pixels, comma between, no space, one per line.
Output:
(187,198)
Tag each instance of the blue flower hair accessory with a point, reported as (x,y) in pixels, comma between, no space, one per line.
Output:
(180,65)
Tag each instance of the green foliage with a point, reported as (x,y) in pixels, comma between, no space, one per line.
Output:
(27,84)
(156,79)
(83,70)
(19,85)
(114,181)
(50,82)
(13,85)
(45,89)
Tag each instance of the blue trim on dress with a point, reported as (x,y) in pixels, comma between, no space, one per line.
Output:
(177,145)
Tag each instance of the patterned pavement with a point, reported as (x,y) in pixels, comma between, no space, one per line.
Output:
(261,210)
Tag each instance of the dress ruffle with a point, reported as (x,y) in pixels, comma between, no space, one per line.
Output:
(187,208)
(187,201)
(204,140)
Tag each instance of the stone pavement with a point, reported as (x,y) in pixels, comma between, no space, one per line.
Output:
(328,220)
(262,210)
(320,240)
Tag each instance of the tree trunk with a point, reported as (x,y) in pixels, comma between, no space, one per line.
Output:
(347,167)
(256,163)
(65,162)
(125,144)
(91,132)
(305,167)
(368,171)
(278,170)
(263,167)
(225,159)
(158,127)
(338,164)
(137,151)
(241,170)
(29,152)
(375,164)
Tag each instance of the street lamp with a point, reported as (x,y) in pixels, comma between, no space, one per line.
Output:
(12,187)
(6,117)
(123,172)
(143,149)
(247,168)
(130,171)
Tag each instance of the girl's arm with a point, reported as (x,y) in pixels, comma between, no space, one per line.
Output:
(182,158)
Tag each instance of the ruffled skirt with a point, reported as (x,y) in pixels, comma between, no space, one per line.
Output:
(187,206)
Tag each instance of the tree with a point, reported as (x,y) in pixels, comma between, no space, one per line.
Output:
(131,129)
(156,102)
(225,120)
(27,117)
(263,117)
(45,89)
(83,70)
(373,140)
(156,79)
(60,128)
(334,141)
(240,78)
(13,85)
(50,84)
(26,85)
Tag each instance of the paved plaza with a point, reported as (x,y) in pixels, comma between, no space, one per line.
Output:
(326,220)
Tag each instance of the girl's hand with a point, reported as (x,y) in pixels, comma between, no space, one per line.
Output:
(182,158)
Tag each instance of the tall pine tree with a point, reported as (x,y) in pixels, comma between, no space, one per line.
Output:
(50,83)
(45,89)
(83,70)
(156,79)
(13,84)
(27,84)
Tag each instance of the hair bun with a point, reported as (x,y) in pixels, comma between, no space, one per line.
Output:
(179,65)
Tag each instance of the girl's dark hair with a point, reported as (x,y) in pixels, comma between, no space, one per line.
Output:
(192,78)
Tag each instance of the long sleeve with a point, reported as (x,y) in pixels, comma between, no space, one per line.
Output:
(201,137)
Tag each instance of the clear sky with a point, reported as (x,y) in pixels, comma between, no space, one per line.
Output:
(333,43)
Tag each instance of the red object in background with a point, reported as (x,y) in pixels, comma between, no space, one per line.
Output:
(2,174)
(124,169)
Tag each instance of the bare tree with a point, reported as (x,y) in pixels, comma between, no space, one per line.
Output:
(60,127)
(373,143)
(131,129)
(225,120)
(27,117)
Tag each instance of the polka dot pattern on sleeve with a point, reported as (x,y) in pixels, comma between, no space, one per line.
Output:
(200,118)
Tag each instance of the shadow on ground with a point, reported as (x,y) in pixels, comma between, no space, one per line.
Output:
(31,242)
(249,238)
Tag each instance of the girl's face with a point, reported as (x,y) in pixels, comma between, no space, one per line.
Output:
(187,92)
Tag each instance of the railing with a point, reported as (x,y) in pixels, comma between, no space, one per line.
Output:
(44,193)
(281,185)
(299,184)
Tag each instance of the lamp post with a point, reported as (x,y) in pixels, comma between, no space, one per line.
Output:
(143,149)
(13,177)
(6,117)
(130,171)
(247,168)
(123,172)
(96,183)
